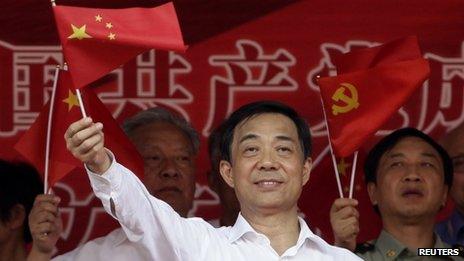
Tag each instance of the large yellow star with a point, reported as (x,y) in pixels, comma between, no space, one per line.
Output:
(71,100)
(78,33)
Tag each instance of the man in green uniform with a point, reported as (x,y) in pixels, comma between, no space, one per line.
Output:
(408,176)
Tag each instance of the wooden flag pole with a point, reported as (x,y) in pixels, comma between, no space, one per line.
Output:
(49,129)
(353,173)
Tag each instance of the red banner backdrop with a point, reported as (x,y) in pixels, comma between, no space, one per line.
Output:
(239,52)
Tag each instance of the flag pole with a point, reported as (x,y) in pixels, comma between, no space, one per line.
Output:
(353,173)
(79,97)
(334,161)
(81,104)
(49,129)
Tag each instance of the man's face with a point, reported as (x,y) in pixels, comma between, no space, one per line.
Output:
(410,181)
(455,148)
(268,169)
(169,164)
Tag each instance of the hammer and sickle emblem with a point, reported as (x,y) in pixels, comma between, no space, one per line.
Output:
(350,101)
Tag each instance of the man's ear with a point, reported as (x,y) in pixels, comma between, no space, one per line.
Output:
(226,172)
(307,166)
(372,191)
(17,217)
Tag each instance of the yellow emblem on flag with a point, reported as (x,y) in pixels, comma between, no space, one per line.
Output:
(78,32)
(71,100)
(348,101)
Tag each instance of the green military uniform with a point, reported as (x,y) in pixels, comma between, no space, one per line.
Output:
(386,247)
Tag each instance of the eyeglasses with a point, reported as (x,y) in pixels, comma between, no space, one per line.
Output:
(458,164)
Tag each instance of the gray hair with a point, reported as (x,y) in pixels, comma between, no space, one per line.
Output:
(157,114)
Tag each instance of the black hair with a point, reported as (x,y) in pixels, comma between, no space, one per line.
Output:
(20,183)
(214,149)
(257,108)
(388,142)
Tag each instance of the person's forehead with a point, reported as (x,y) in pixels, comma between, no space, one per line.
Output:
(409,146)
(275,124)
(160,133)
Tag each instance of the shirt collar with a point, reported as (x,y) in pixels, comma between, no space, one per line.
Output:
(242,227)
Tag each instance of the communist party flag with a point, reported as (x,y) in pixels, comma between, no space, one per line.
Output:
(359,102)
(66,111)
(96,41)
(403,49)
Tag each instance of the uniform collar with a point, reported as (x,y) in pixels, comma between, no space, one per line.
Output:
(389,247)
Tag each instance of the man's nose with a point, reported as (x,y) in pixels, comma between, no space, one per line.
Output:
(267,161)
(169,169)
(412,174)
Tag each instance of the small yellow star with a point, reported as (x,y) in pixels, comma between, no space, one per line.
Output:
(71,100)
(109,25)
(112,36)
(98,18)
(78,33)
(342,166)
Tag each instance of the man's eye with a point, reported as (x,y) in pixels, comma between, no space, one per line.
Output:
(183,158)
(284,149)
(427,165)
(397,164)
(250,150)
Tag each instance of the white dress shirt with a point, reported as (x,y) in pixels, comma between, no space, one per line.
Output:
(114,246)
(161,233)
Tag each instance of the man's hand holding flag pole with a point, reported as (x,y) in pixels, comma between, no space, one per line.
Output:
(114,37)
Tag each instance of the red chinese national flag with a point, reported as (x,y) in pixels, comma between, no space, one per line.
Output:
(96,41)
(358,103)
(66,111)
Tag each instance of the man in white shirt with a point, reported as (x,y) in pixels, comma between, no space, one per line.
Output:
(265,157)
(168,145)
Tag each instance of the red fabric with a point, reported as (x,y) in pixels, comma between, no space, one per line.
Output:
(111,37)
(403,49)
(381,91)
(33,143)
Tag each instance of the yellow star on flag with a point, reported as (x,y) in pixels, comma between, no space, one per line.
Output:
(342,166)
(71,100)
(98,18)
(78,33)
(112,36)
(109,25)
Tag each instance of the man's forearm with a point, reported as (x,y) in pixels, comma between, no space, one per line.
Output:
(101,163)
